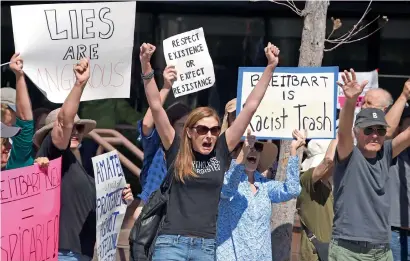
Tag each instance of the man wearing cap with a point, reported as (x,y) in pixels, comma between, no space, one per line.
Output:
(361,226)
(315,202)
(400,198)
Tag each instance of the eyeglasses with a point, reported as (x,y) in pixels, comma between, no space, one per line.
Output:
(370,130)
(203,130)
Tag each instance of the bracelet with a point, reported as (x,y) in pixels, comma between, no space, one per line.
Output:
(147,76)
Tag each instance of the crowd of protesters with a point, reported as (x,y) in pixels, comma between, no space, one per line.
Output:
(352,192)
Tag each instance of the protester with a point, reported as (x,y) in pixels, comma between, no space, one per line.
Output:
(199,160)
(8,106)
(243,227)
(377,98)
(361,226)
(315,202)
(400,198)
(154,166)
(60,137)
(7,132)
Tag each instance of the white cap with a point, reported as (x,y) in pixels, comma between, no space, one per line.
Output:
(315,153)
(8,96)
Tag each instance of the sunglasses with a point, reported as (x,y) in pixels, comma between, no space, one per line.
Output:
(203,130)
(80,128)
(370,130)
(257,146)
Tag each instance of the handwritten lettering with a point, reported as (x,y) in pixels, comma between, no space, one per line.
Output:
(89,23)
(290,80)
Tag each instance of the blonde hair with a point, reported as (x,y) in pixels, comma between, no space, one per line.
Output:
(4,109)
(185,157)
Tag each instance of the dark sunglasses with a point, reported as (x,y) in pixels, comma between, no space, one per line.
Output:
(370,130)
(80,128)
(257,146)
(203,130)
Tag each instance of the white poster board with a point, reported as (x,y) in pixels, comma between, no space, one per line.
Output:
(52,38)
(296,98)
(189,54)
(109,183)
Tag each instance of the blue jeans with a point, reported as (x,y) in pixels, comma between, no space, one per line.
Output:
(400,245)
(65,255)
(180,248)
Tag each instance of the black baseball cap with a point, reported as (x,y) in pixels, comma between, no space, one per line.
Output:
(370,117)
(8,132)
(176,111)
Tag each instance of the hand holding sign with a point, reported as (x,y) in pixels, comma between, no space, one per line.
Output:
(16,64)
(272,54)
(82,72)
(351,88)
(170,76)
(299,139)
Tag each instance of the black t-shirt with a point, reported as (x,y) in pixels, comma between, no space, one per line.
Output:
(193,206)
(78,201)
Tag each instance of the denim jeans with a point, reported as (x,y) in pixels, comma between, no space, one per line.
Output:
(180,248)
(64,255)
(400,245)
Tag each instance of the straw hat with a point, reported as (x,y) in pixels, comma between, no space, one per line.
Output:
(229,108)
(316,151)
(38,138)
(267,156)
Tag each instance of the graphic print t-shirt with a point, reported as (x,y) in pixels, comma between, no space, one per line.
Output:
(193,206)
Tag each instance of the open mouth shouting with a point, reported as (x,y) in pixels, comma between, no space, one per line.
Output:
(207,145)
(251,159)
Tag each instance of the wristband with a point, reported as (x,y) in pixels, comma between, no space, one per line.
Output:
(147,76)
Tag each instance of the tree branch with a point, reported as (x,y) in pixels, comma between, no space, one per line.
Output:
(290,4)
(357,28)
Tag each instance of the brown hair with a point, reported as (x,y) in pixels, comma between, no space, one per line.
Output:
(185,156)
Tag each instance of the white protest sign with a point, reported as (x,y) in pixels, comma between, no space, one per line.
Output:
(373,79)
(296,98)
(189,54)
(109,183)
(52,38)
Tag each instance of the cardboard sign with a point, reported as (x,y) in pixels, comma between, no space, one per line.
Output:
(189,54)
(297,98)
(30,213)
(109,182)
(52,38)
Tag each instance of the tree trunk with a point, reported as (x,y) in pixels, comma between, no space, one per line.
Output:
(311,54)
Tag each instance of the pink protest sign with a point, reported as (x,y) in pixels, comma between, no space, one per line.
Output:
(30,213)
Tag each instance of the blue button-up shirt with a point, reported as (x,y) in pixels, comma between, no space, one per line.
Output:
(243,228)
(154,165)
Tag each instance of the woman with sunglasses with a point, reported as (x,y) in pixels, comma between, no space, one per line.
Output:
(199,159)
(245,207)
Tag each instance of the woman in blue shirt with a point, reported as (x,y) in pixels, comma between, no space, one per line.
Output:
(243,228)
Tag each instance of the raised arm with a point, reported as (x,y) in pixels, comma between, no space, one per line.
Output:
(23,102)
(148,121)
(401,142)
(323,170)
(165,130)
(352,89)
(64,124)
(283,191)
(395,112)
(237,129)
